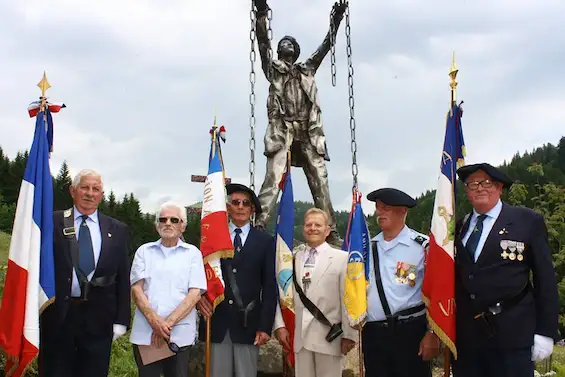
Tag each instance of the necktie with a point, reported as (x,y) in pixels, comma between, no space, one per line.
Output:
(85,252)
(237,240)
(311,257)
(475,236)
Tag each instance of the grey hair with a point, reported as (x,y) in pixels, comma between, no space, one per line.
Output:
(181,210)
(86,173)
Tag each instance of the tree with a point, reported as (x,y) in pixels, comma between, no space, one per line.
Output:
(61,197)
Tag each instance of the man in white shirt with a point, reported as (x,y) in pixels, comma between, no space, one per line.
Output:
(167,278)
(320,282)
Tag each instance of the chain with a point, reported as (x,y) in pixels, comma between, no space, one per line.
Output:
(252,58)
(354,168)
(270,37)
(332,46)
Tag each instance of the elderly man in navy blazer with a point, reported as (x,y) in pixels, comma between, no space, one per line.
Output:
(243,321)
(92,305)
(505,320)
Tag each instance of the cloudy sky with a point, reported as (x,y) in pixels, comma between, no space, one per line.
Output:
(143,79)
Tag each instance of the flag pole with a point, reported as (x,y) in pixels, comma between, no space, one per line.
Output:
(453,85)
(208,345)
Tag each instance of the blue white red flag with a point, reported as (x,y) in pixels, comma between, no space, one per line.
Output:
(30,281)
(215,240)
(284,232)
(438,288)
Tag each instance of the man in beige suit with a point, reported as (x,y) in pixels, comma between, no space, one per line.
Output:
(319,280)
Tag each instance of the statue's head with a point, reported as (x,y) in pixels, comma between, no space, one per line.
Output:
(288,47)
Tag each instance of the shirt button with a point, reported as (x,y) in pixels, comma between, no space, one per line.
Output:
(472,296)
(230,302)
(234,270)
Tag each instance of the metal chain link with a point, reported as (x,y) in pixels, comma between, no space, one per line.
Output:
(252,58)
(354,168)
(332,46)
(270,38)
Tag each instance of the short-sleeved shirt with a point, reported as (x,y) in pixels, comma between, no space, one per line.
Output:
(168,274)
(401,263)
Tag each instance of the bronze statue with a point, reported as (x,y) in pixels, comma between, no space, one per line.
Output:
(294,115)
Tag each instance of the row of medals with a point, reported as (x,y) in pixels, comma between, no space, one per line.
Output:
(513,246)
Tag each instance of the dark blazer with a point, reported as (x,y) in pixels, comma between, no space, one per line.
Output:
(492,278)
(106,305)
(254,268)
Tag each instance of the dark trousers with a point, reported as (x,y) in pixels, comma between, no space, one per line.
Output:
(393,351)
(174,366)
(493,362)
(74,350)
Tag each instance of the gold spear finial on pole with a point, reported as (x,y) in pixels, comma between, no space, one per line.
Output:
(453,84)
(43,85)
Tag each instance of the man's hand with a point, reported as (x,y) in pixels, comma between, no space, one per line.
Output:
(429,346)
(204,307)
(261,338)
(261,5)
(283,336)
(157,341)
(160,326)
(346,345)
(542,348)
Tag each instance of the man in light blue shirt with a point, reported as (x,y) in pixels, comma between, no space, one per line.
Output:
(167,278)
(396,338)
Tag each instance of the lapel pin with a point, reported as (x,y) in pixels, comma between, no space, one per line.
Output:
(503,231)
(110,235)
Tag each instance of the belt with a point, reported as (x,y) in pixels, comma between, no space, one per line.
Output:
(503,305)
(403,316)
(397,322)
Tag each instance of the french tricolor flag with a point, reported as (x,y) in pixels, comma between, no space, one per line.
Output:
(215,240)
(35,107)
(30,279)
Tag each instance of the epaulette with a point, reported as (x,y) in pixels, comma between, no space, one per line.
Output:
(421,239)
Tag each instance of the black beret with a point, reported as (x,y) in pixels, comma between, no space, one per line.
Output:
(392,197)
(237,187)
(465,171)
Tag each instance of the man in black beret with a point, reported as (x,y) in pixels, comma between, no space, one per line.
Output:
(243,321)
(397,340)
(504,323)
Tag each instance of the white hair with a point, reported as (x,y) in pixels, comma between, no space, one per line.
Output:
(86,173)
(181,210)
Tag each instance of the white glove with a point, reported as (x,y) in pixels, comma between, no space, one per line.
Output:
(542,348)
(119,330)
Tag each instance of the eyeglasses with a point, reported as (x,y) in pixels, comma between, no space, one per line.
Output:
(486,183)
(174,220)
(237,202)
(176,349)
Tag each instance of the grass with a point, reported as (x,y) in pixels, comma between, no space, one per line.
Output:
(4,248)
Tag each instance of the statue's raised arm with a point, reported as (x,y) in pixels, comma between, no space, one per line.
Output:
(318,56)
(262,37)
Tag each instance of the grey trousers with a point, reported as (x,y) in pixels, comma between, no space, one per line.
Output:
(237,360)
(174,366)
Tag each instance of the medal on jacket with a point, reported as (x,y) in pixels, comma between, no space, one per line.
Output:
(520,247)
(504,246)
(306,279)
(512,248)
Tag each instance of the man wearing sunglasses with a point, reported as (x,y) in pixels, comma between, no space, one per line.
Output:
(504,322)
(243,321)
(167,280)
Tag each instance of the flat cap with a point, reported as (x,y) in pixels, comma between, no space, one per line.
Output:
(465,171)
(392,197)
(238,187)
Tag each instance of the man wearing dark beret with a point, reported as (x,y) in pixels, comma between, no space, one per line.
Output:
(504,322)
(397,340)
(243,321)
